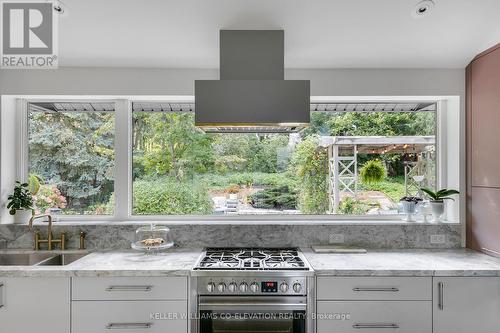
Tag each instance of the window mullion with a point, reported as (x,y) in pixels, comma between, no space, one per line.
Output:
(122,175)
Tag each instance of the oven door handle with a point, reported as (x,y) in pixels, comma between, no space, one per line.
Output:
(264,306)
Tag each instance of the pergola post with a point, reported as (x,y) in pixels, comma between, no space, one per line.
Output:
(333,181)
(355,171)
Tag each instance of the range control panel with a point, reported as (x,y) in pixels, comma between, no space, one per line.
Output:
(251,286)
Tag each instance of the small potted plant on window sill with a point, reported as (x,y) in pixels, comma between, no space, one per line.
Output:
(409,206)
(437,201)
(21,203)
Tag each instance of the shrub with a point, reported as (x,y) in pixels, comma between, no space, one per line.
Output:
(350,206)
(310,166)
(372,172)
(233,189)
(47,197)
(230,163)
(169,196)
(216,181)
(274,198)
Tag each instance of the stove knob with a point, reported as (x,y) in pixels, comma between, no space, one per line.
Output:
(297,287)
(284,287)
(243,287)
(232,287)
(222,287)
(254,287)
(211,287)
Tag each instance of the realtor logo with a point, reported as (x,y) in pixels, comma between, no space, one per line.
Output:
(28,35)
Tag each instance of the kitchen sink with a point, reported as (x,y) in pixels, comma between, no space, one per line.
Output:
(23,259)
(62,259)
(38,258)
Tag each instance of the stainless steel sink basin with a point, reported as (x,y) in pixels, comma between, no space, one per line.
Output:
(38,258)
(23,259)
(62,259)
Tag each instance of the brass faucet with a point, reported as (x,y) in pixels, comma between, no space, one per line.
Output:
(49,240)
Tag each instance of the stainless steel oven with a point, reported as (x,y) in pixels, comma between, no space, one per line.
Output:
(252,291)
(255,314)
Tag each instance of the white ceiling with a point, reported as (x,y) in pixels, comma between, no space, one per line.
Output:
(318,33)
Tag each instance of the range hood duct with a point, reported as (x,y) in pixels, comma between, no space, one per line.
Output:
(252,95)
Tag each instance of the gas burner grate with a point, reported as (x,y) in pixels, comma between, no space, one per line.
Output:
(251,259)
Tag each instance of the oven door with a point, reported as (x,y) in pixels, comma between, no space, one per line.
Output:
(249,314)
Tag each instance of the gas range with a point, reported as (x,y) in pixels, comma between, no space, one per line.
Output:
(251,259)
(252,271)
(228,284)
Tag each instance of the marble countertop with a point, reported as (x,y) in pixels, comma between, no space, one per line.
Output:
(456,262)
(179,262)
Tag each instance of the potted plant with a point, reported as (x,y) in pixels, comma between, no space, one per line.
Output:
(437,200)
(21,202)
(409,206)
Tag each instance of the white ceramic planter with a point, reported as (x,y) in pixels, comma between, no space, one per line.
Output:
(437,210)
(23,216)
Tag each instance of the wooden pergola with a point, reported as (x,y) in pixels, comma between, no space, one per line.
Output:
(343,165)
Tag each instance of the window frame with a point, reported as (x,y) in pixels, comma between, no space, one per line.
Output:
(123,183)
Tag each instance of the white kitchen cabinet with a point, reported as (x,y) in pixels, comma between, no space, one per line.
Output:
(374,304)
(129,304)
(466,304)
(374,316)
(129,316)
(129,288)
(374,288)
(35,305)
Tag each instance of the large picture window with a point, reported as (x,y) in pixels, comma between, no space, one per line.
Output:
(354,159)
(71,157)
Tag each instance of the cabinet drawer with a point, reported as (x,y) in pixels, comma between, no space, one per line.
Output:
(124,288)
(129,316)
(374,316)
(374,288)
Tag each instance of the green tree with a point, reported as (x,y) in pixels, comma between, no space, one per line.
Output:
(75,152)
(170,144)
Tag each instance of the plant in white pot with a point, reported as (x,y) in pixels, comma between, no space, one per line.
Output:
(21,202)
(409,207)
(437,201)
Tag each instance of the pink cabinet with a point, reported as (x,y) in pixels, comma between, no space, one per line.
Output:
(485,119)
(483,151)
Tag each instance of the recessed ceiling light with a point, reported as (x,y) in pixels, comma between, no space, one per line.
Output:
(423,8)
(59,7)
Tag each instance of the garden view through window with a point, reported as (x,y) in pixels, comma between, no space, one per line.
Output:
(71,157)
(352,159)
(358,161)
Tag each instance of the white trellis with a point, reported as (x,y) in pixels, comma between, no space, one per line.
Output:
(418,174)
(343,165)
(343,173)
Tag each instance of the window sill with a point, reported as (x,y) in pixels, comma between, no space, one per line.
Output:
(309,222)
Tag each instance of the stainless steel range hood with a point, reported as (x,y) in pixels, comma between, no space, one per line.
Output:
(252,95)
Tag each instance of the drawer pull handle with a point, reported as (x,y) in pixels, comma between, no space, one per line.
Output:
(128,326)
(1,295)
(129,288)
(394,290)
(441,295)
(363,326)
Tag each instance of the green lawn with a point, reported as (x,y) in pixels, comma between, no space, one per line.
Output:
(394,188)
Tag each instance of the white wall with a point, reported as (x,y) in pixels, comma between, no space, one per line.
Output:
(324,82)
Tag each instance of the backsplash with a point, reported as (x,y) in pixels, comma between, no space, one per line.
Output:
(120,235)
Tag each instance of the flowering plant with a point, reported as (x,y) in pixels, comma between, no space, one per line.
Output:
(48,197)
